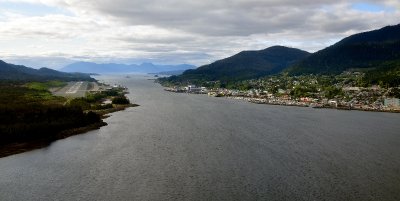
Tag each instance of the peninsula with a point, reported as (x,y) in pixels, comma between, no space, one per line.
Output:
(37,108)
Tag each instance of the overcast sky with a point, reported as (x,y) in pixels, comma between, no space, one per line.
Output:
(54,33)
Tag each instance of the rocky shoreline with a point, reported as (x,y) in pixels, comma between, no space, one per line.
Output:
(302,104)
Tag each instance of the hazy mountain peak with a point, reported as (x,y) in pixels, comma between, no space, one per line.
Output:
(89,67)
(147,64)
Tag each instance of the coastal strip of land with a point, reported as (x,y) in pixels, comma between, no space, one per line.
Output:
(34,115)
(386,104)
(346,91)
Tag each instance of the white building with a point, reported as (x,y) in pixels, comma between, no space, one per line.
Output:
(194,89)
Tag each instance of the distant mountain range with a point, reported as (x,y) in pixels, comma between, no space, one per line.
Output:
(377,52)
(113,68)
(174,72)
(364,50)
(248,64)
(11,72)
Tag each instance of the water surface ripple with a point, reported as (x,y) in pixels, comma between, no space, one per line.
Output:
(193,147)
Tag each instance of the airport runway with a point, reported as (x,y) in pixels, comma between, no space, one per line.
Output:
(73,89)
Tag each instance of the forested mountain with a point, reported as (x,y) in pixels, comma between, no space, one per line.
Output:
(246,65)
(13,72)
(374,49)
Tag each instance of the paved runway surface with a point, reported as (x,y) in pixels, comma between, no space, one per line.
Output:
(73,89)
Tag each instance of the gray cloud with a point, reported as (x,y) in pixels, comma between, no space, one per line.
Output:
(237,17)
(177,31)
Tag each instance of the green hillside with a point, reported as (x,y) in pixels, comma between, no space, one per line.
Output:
(368,50)
(244,65)
(11,72)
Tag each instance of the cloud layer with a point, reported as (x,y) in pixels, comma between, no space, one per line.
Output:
(176,31)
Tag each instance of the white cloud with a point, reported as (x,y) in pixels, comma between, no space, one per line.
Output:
(177,31)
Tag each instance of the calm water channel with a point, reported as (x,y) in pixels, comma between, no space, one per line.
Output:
(194,147)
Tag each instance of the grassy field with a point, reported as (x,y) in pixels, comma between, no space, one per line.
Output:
(45,85)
